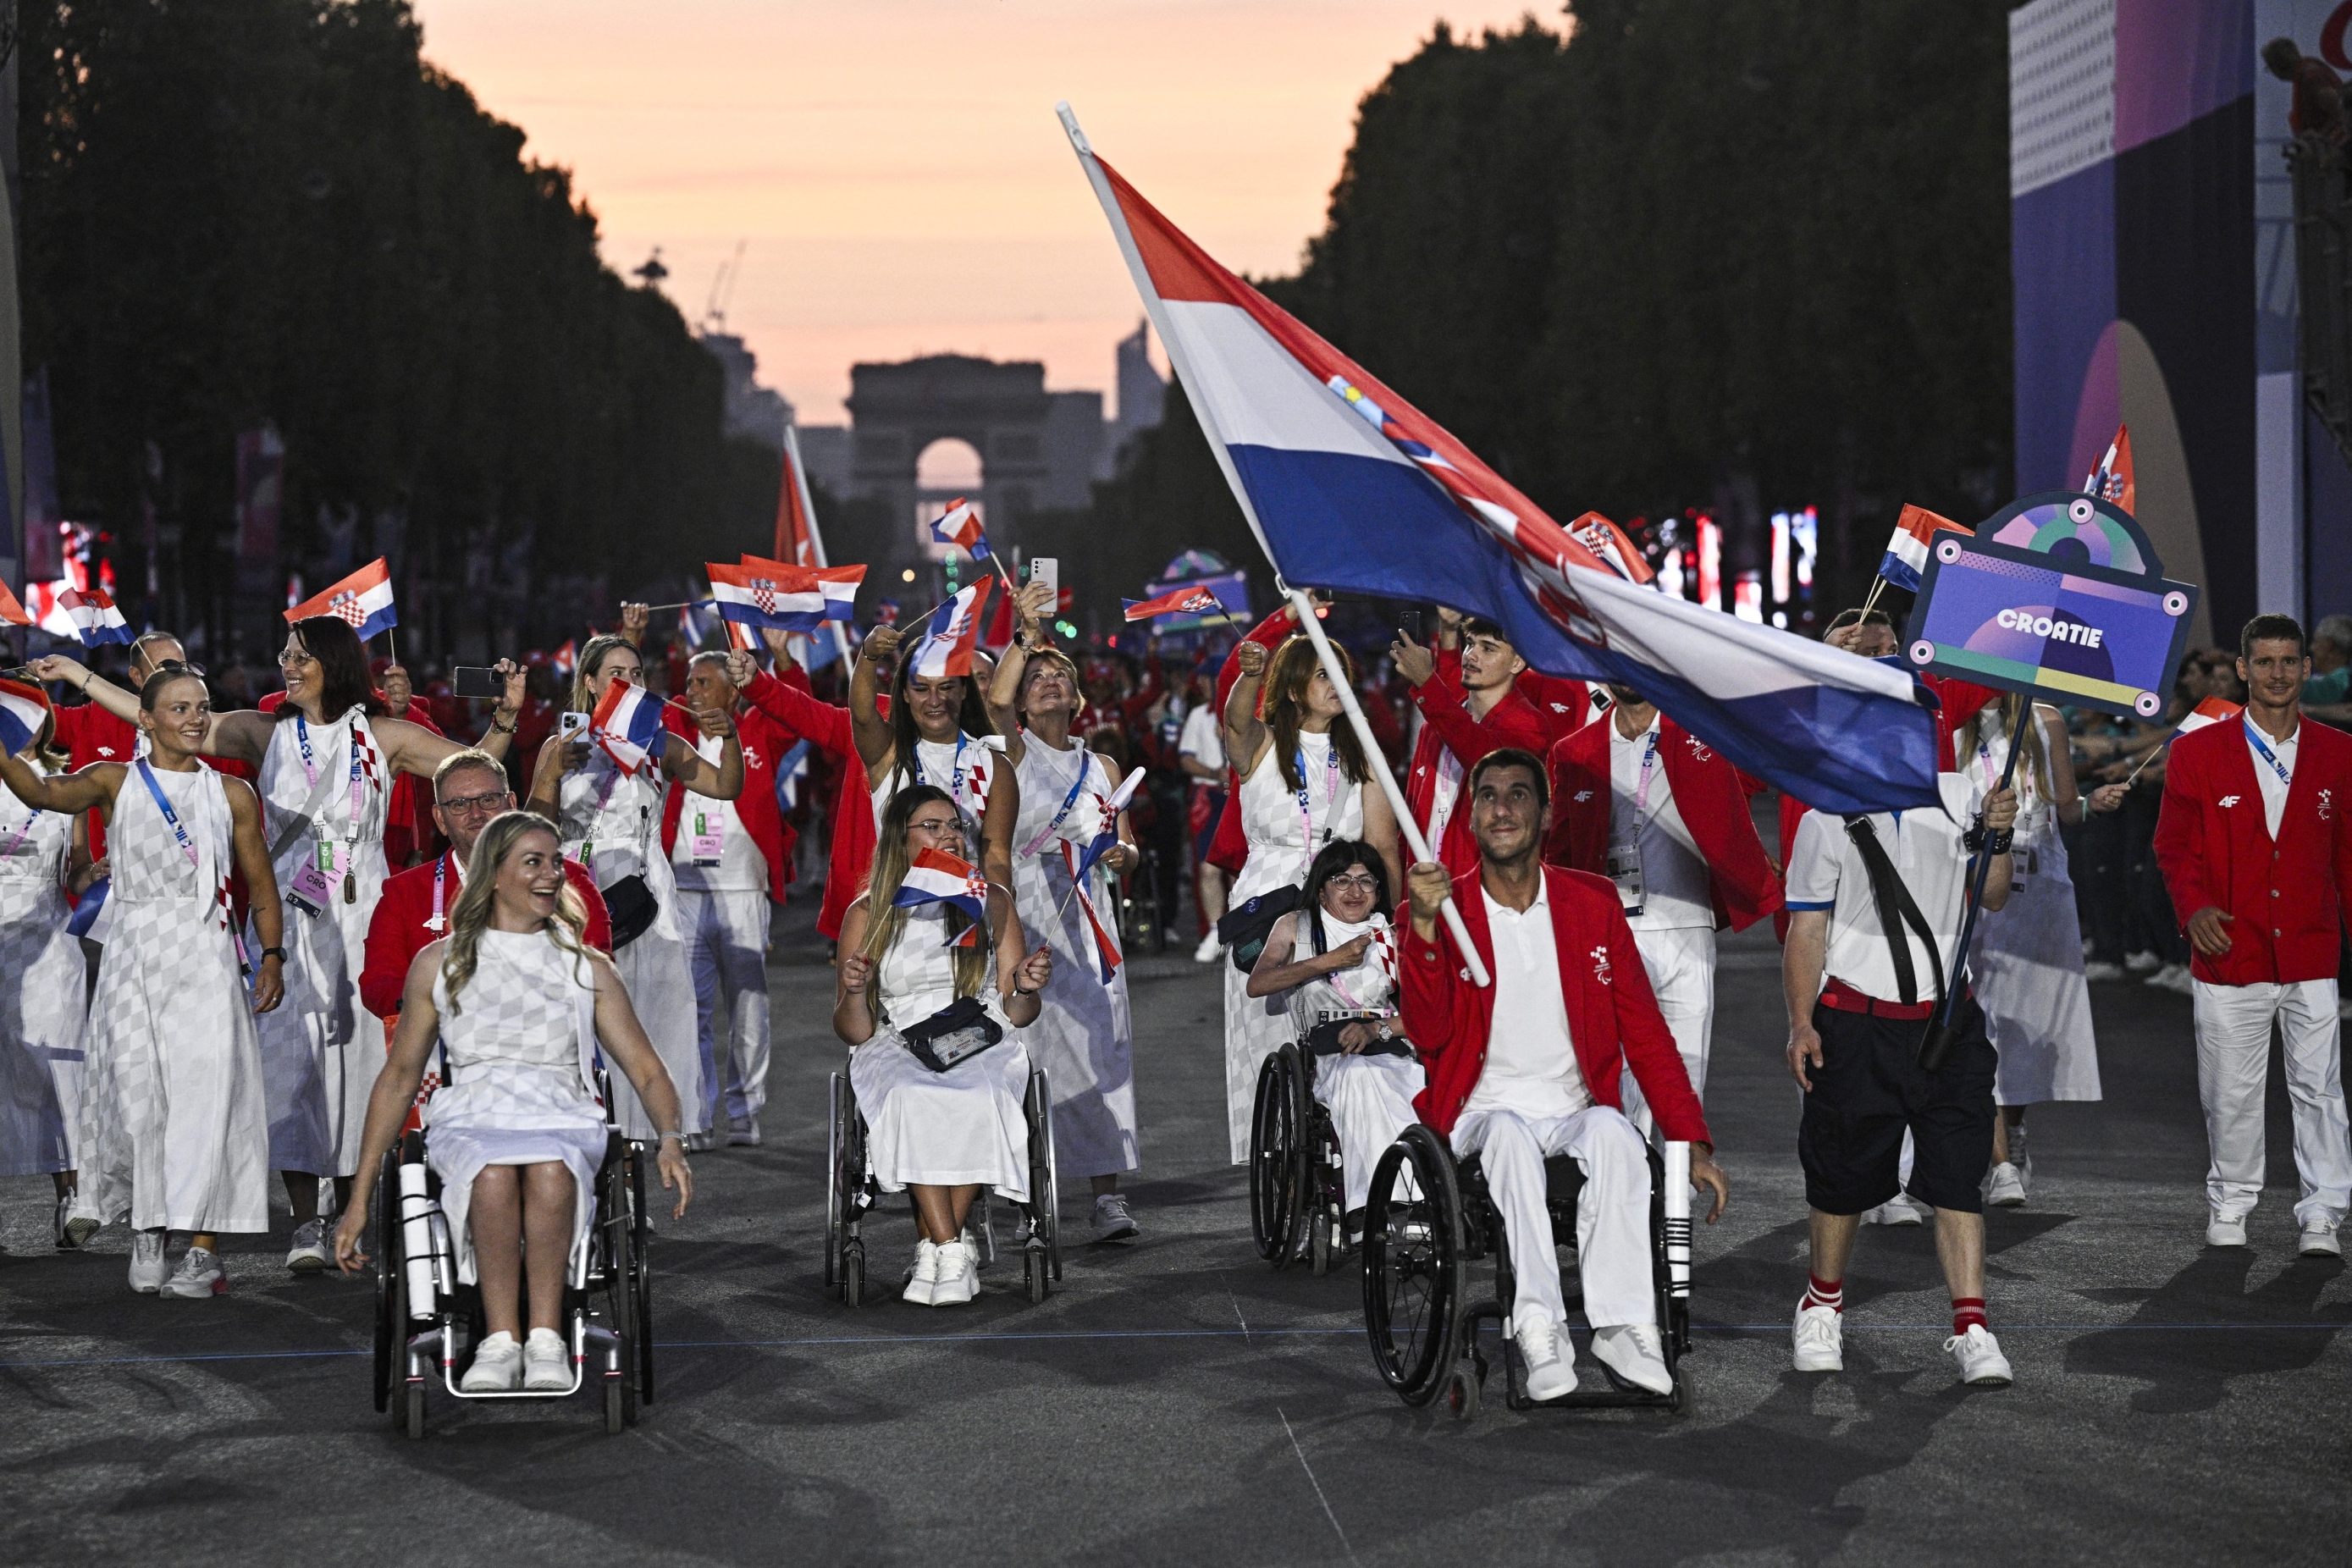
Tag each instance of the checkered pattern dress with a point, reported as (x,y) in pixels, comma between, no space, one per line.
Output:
(174,1123)
(320,1049)
(41,1024)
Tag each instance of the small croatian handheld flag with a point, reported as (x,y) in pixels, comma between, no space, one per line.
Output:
(363,598)
(565,660)
(961,525)
(1906,552)
(2212,711)
(1107,840)
(784,597)
(23,710)
(627,724)
(11,611)
(2111,481)
(1189,600)
(1609,541)
(94,618)
(935,876)
(951,634)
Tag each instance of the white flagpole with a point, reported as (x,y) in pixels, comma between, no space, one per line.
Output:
(816,539)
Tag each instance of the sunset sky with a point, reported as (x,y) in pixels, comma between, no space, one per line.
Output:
(894,166)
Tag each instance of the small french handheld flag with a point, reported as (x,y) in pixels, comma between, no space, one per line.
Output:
(951,634)
(1609,541)
(627,723)
(1186,601)
(94,618)
(2212,711)
(23,710)
(363,599)
(935,876)
(1906,552)
(784,597)
(961,525)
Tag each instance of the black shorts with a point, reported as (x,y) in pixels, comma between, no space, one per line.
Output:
(1870,1088)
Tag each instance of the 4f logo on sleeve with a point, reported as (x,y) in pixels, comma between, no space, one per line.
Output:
(1600,964)
(2227,800)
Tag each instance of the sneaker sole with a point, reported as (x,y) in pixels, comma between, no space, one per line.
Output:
(2008,1203)
(306,1265)
(217,1288)
(1990,1380)
(1824,1366)
(1128,1234)
(2319,1252)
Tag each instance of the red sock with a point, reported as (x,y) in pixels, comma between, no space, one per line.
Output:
(1968,1312)
(1820,1292)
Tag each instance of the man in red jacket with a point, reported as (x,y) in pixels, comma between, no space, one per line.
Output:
(2256,850)
(1642,802)
(1469,706)
(1574,1011)
(826,726)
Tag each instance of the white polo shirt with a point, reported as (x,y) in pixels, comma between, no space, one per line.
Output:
(1826,872)
(1530,1064)
(1200,738)
(1675,891)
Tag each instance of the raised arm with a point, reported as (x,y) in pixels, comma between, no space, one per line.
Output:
(1020,978)
(722,780)
(871,729)
(822,724)
(244,734)
(92,789)
(996,825)
(1245,732)
(1004,686)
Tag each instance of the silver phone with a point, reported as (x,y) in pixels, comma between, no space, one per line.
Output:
(1047,568)
(571,725)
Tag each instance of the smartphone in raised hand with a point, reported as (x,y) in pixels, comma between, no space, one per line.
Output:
(476,681)
(1047,568)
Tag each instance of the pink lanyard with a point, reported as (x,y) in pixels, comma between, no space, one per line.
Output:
(1331,796)
(1382,954)
(8,849)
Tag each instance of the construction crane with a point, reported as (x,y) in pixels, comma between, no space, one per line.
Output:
(722,289)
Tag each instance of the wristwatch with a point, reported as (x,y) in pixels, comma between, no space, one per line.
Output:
(277,952)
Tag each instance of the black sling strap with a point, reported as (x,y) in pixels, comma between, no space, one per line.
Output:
(1893,898)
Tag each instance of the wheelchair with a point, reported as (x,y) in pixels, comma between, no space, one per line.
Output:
(851,1190)
(1424,1326)
(1298,1189)
(1142,916)
(426,1319)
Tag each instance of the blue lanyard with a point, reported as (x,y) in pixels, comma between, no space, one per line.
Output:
(1086,766)
(1641,791)
(163,804)
(955,780)
(2254,739)
(303,734)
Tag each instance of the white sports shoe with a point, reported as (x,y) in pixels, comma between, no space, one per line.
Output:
(1981,1363)
(1209,949)
(148,1269)
(2097,973)
(1112,1222)
(1550,1356)
(2142,962)
(1895,1210)
(1635,1352)
(497,1366)
(2006,1187)
(309,1253)
(743,1131)
(1816,1339)
(2223,1231)
(546,1362)
(959,1279)
(926,1275)
(2319,1240)
(199,1277)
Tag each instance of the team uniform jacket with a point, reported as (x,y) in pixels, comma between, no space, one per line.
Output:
(397,932)
(1563,703)
(1612,1016)
(765,742)
(1448,726)
(828,728)
(2213,844)
(1709,794)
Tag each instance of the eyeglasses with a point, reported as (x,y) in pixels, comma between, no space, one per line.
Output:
(293,656)
(476,804)
(1355,884)
(948,824)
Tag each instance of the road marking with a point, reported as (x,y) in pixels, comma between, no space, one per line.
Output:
(1311,1481)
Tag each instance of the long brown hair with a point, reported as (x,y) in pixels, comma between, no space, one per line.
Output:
(2018,718)
(971,718)
(1287,676)
(344,679)
(471,916)
(885,924)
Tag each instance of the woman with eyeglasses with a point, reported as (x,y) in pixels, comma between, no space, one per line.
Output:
(325,762)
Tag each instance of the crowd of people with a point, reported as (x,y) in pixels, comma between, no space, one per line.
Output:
(257,940)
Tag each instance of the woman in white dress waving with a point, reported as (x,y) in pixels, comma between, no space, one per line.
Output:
(174,1122)
(938,1135)
(936,733)
(1084,1036)
(520,1004)
(1304,786)
(610,817)
(325,759)
(42,1008)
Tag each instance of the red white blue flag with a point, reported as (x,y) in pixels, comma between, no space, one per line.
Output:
(2212,710)
(1347,486)
(1192,600)
(565,660)
(11,611)
(951,633)
(784,597)
(935,876)
(1907,550)
(23,710)
(95,619)
(627,724)
(363,598)
(2112,480)
(961,525)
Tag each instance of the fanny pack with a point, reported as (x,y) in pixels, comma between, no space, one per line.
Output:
(1244,930)
(633,908)
(956,1033)
(1323,1040)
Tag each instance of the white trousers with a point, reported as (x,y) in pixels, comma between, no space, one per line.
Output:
(2234,1048)
(1613,1216)
(1370,1102)
(1680,962)
(726,939)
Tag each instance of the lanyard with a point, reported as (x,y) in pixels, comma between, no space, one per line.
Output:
(440,868)
(310,765)
(163,804)
(1086,766)
(9,848)
(1642,790)
(1380,957)
(311,772)
(955,779)
(2254,739)
(1330,796)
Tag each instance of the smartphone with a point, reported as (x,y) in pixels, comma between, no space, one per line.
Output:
(1047,568)
(570,725)
(1413,625)
(476,681)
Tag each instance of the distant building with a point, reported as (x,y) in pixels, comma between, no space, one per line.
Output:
(1143,396)
(755,412)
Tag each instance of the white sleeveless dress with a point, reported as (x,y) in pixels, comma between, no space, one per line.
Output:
(611,825)
(2026,962)
(175,1116)
(321,1050)
(42,1006)
(1084,1036)
(967,768)
(518,1045)
(1369,1097)
(1279,853)
(939,1129)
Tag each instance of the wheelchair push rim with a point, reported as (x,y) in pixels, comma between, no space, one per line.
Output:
(1412,1261)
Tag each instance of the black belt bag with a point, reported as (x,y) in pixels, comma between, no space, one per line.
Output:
(956,1033)
(1323,1040)
(632,907)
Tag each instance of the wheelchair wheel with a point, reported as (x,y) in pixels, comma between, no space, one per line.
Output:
(1319,1247)
(391,1281)
(1042,1253)
(641,1258)
(620,1283)
(411,1410)
(853,1274)
(1462,1386)
(1279,1157)
(1413,1274)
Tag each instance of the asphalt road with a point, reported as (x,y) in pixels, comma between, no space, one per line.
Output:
(1178,1403)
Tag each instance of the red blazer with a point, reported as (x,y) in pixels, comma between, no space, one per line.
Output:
(397,932)
(828,728)
(1708,792)
(2216,851)
(1446,725)
(1612,1016)
(765,742)
(1564,704)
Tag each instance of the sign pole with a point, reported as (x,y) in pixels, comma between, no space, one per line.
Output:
(1939,1039)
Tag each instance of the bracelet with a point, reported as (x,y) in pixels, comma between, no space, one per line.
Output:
(1998,841)
(505,729)
(1020,990)
(665,1137)
(277,952)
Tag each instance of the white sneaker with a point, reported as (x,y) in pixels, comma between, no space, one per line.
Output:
(199,1277)
(1209,949)
(1981,1363)
(2184,980)
(309,1253)
(1895,1210)
(2319,1239)
(2171,977)
(699,1143)
(926,1276)
(1816,1339)
(497,1366)
(1550,1356)
(2098,973)
(546,1362)
(2223,1231)
(148,1269)
(2006,1187)
(743,1131)
(959,1279)
(1634,1353)
(2142,962)
(1112,1222)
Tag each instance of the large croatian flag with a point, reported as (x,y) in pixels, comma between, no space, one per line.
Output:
(627,723)
(1347,486)
(363,598)
(784,597)
(94,618)
(23,710)
(951,633)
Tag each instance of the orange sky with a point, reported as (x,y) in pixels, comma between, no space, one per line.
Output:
(895,165)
